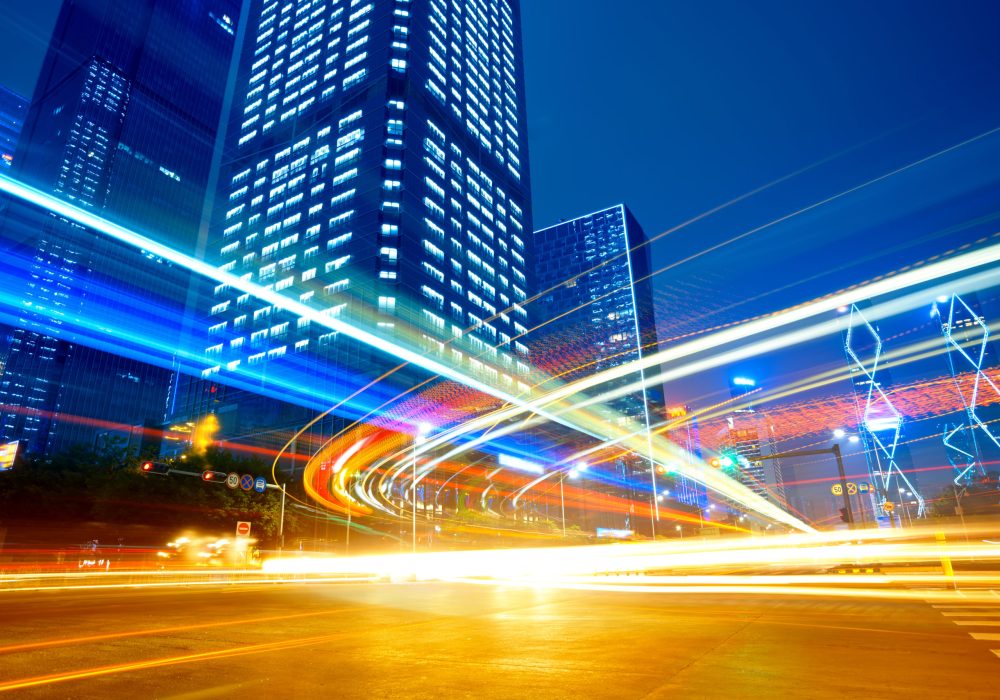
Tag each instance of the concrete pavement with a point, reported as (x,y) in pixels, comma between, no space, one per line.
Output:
(430,640)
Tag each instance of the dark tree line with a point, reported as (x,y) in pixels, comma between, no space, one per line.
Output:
(106,485)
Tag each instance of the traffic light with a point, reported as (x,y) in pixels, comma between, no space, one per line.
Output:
(723,461)
(209,475)
(155,468)
(844,516)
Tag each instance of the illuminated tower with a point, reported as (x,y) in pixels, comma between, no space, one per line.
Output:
(377,170)
(749,442)
(122,123)
(593,275)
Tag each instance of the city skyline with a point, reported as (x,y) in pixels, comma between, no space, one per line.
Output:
(402,348)
(677,303)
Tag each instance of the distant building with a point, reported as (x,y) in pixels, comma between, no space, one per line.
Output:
(123,123)
(749,441)
(593,276)
(684,433)
(13,109)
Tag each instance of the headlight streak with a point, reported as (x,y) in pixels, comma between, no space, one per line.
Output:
(796,213)
(883,310)
(112,230)
(878,288)
(562,563)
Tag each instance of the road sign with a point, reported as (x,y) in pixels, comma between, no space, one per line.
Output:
(864,488)
(246,482)
(888,507)
(242,528)
(260,484)
(837,490)
(233,480)
(852,488)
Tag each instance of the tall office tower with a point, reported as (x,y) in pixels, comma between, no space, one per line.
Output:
(749,439)
(593,274)
(376,170)
(123,123)
(682,431)
(13,109)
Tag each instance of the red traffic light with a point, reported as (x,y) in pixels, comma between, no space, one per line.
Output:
(209,475)
(154,468)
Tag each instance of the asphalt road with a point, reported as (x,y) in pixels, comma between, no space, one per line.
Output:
(432,640)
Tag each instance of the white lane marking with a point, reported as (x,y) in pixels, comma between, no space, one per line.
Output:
(996,651)
(985,636)
(978,623)
(982,613)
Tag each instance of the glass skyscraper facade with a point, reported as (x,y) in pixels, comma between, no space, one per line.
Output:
(13,109)
(376,170)
(592,273)
(122,123)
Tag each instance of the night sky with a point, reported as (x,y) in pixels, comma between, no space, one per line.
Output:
(678,107)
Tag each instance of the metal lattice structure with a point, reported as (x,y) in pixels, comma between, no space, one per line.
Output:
(880,422)
(966,336)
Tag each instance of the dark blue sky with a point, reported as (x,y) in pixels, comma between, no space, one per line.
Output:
(677,107)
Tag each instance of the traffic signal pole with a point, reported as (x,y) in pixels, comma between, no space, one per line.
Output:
(835,450)
(843,485)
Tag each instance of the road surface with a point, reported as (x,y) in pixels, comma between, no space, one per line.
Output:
(432,640)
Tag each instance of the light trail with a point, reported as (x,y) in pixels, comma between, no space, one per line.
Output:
(83,674)
(547,563)
(46,644)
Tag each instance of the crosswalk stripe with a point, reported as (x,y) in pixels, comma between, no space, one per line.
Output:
(985,636)
(967,606)
(996,651)
(972,614)
(977,623)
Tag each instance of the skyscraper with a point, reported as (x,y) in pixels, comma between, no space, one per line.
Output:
(13,108)
(377,170)
(593,275)
(123,123)
(749,442)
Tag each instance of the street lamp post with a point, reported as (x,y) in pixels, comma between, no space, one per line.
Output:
(347,536)
(423,429)
(281,523)
(572,473)
(562,502)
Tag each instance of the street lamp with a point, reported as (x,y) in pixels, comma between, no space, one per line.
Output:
(573,472)
(423,430)
(680,530)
